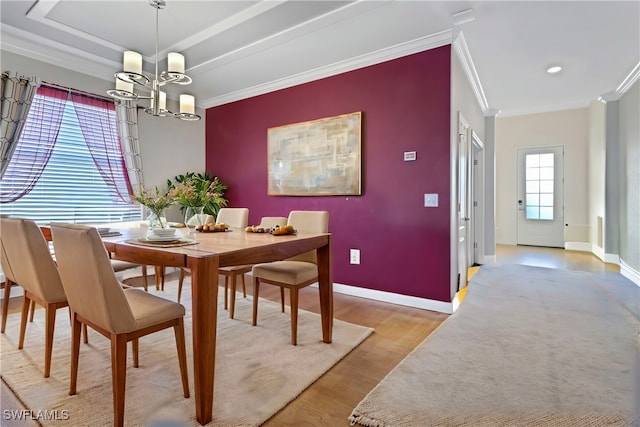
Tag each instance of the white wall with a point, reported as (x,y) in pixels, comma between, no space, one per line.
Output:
(463,101)
(597,168)
(629,134)
(568,128)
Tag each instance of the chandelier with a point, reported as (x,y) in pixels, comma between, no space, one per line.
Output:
(131,76)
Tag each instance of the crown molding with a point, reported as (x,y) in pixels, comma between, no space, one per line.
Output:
(629,80)
(462,50)
(376,57)
(35,47)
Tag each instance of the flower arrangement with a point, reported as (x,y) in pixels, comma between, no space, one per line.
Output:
(193,190)
(156,202)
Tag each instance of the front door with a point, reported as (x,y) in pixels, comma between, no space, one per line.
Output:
(540,202)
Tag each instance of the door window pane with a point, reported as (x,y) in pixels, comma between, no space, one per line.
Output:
(539,186)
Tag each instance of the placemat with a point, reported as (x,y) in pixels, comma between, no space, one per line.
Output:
(162,244)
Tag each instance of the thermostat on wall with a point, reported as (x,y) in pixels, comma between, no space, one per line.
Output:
(409,155)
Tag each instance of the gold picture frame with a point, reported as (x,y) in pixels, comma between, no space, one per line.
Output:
(316,158)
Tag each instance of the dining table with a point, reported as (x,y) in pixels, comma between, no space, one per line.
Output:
(204,253)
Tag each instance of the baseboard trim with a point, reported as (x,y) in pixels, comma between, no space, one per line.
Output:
(629,273)
(390,297)
(578,246)
(612,258)
(488,259)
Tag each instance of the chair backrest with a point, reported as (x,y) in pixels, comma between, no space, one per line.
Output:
(93,291)
(312,222)
(272,221)
(233,217)
(28,260)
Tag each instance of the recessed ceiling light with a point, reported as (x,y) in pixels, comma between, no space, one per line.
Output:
(554,69)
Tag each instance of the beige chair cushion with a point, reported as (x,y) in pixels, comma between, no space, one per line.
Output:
(149,309)
(302,267)
(290,272)
(27,254)
(93,290)
(233,217)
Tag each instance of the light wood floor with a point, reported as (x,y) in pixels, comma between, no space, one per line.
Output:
(398,330)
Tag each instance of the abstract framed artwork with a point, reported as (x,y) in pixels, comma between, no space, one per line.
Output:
(316,158)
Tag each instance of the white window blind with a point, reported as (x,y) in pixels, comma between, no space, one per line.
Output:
(71,188)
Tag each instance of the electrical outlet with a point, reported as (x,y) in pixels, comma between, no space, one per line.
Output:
(354,256)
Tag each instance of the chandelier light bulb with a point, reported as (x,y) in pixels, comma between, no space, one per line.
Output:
(175,63)
(132,62)
(124,86)
(187,104)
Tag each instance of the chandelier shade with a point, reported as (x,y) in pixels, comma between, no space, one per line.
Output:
(131,80)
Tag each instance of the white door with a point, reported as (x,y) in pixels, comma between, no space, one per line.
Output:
(540,200)
(463,200)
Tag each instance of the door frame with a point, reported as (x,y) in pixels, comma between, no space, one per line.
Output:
(477,202)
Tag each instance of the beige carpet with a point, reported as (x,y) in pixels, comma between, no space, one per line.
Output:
(257,372)
(529,346)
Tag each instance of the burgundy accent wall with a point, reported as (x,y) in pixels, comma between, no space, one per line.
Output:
(404,247)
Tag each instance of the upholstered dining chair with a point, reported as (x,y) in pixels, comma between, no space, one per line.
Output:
(97,299)
(293,273)
(9,281)
(28,261)
(234,218)
(265,223)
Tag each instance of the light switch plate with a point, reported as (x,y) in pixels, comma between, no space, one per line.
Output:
(409,156)
(431,200)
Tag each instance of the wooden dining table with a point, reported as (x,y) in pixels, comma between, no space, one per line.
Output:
(210,252)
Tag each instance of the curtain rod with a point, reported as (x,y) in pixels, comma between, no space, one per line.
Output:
(81,92)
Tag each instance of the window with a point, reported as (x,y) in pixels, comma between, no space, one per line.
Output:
(539,186)
(72,186)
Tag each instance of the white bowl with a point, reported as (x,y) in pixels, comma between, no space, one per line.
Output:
(163,232)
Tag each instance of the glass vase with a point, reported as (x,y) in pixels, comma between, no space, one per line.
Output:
(157,220)
(193,217)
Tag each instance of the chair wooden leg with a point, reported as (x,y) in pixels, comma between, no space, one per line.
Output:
(226,292)
(23,320)
(293,295)
(85,333)
(76,327)
(162,271)
(180,280)
(178,331)
(256,294)
(134,347)
(244,287)
(282,299)
(156,270)
(144,277)
(32,311)
(118,376)
(5,303)
(232,303)
(50,322)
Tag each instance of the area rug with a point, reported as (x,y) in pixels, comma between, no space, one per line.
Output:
(529,346)
(257,371)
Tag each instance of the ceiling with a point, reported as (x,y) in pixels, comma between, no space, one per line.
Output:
(237,49)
